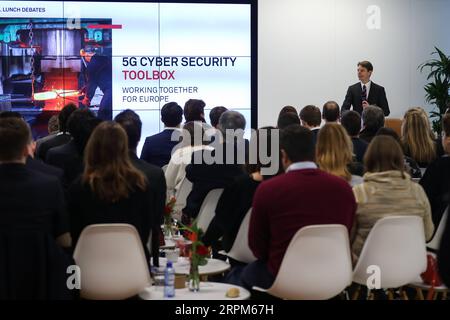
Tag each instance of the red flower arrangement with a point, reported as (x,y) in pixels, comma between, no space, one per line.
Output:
(199,253)
(168,210)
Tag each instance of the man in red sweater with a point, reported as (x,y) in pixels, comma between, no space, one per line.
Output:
(303,196)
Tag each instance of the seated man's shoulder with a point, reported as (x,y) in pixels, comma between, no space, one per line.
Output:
(42,167)
(147,168)
(67,148)
(441,164)
(41,180)
(275,183)
(361,142)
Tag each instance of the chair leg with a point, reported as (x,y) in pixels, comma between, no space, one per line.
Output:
(356,293)
(419,294)
(344,295)
(390,294)
(403,294)
(347,295)
(430,294)
(444,295)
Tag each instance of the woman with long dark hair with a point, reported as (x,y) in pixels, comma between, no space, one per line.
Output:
(110,190)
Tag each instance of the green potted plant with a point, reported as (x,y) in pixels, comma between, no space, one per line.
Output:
(437,91)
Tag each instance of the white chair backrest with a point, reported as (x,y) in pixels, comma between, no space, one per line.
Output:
(317,264)
(112,262)
(395,245)
(183,192)
(208,208)
(435,242)
(422,171)
(240,250)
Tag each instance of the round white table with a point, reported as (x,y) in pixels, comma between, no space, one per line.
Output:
(168,244)
(212,267)
(208,291)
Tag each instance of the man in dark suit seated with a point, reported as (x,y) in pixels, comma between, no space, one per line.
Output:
(132,124)
(62,137)
(211,169)
(31,163)
(365,93)
(372,121)
(288,202)
(38,165)
(287,119)
(330,112)
(158,148)
(311,118)
(33,225)
(351,121)
(69,156)
(214,115)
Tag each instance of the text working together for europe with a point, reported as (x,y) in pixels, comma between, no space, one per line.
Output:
(152,74)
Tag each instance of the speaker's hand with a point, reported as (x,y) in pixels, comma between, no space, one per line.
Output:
(365,104)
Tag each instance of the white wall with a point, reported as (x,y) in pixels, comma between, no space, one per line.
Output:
(308,50)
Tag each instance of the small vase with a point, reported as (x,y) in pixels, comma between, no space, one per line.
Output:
(168,231)
(194,277)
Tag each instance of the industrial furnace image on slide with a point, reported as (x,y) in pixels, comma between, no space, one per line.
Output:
(46,64)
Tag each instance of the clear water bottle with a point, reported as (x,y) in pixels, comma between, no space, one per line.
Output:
(169,281)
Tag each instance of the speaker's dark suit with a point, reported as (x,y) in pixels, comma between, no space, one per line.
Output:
(377,96)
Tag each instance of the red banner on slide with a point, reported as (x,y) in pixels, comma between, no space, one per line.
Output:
(104,26)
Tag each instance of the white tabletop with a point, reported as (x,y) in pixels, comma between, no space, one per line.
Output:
(168,244)
(213,266)
(208,291)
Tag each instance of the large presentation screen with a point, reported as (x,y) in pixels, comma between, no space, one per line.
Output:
(112,56)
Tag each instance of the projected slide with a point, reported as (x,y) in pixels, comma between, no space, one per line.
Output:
(111,56)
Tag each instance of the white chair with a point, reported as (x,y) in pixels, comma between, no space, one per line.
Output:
(208,209)
(112,262)
(422,171)
(164,168)
(396,245)
(182,193)
(421,286)
(433,245)
(316,266)
(240,250)
(435,242)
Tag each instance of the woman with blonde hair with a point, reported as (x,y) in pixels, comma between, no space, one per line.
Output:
(334,152)
(111,189)
(417,138)
(387,190)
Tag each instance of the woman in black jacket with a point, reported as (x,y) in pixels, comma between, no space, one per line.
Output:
(111,189)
